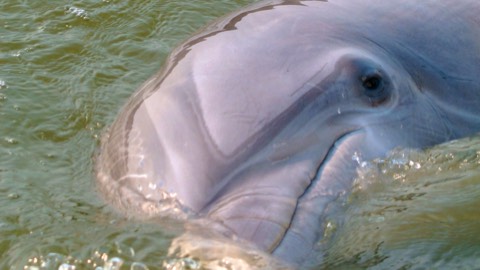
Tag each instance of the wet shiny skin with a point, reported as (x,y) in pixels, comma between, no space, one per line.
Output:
(254,123)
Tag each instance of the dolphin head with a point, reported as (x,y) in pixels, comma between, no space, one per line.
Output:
(257,124)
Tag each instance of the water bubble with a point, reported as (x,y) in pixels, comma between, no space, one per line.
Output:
(52,261)
(10,140)
(330,229)
(138,266)
(356,157)
(113,264)
(399,176)
(32,264)
(415,165)
(77,12)
(181,263)
(152,186)
(13,196)
(399,161)
(125,250)
(66,266)
(98,258)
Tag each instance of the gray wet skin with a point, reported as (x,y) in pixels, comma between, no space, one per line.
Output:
(257,123)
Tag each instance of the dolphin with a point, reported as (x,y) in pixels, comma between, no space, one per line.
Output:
(259,122)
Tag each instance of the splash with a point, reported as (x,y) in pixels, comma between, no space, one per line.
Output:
(413,209)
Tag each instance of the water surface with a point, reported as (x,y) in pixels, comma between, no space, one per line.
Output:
(69,66)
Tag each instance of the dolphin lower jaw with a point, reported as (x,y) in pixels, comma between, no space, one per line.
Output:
(323,196)
(258,203)
(265,200)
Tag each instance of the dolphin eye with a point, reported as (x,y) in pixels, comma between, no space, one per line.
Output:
(370,82)
(374,86)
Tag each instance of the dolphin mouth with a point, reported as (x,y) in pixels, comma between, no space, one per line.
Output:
(333,181)
(321,184)
(344,149)
(265,201)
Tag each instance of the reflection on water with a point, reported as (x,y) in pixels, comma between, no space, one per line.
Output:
(68,66)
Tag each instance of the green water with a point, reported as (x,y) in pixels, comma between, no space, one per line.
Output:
(413,210)
(67,67)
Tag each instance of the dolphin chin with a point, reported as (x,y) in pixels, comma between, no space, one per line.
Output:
(265,183)
(257,124)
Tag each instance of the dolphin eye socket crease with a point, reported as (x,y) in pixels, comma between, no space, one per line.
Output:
(199,136)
